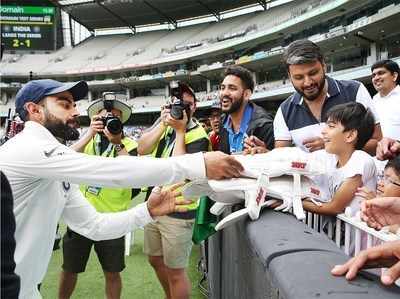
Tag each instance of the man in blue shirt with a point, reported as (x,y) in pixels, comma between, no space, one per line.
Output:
(242,118)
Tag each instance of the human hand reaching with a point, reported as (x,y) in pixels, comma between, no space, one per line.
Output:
(253,145)
(381,211)
(385,255)
(164,201)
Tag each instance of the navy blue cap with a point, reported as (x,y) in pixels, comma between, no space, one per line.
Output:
(36,90)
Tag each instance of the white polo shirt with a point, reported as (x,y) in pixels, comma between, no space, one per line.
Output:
(388,109)
(294,121)
(43,175)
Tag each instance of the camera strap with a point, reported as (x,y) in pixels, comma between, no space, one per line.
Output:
(97,150)
(97,147)
(169,143)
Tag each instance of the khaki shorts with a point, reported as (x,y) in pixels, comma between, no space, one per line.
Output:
(170,238)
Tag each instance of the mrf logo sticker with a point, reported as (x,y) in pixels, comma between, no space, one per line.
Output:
(261,193)
(299,165)
(315,191)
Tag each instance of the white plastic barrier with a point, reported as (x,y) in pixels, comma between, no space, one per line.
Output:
(357,234)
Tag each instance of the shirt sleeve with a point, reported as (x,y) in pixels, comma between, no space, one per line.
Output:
(64,164)
(322,180)
(360,163)
(200,145)
(83,218)
(281,131)
(364,98)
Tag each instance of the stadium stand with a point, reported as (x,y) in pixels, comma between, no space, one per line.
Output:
(113,50)
(150,59)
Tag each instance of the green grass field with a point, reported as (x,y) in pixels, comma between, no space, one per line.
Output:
(138,278)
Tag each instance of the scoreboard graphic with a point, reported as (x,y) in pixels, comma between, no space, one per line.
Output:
(28,28)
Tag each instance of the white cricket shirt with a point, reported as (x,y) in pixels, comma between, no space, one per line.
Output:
(43,175)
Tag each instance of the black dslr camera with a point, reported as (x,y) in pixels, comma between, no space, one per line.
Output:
(178,105)
(111,122)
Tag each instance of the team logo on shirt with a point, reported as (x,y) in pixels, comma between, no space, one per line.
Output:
(66,186)
(49,153)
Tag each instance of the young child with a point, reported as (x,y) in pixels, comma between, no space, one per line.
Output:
(348,128)
(388,186)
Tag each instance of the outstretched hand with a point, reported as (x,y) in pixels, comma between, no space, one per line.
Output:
(163,202)
(385,255)
(365,193)
(253,145)
(222,166)
(381,211)
(387,148)
(314,144)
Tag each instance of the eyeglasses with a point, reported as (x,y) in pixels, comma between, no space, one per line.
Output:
(387,180)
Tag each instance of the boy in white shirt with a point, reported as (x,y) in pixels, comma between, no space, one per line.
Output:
(348,128)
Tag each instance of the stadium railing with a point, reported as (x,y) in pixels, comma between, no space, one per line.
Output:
(278,256)
(349,232)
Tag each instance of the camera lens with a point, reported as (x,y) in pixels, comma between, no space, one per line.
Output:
(177,112)
(114,125)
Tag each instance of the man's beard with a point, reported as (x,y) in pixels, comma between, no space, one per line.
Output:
(313,97)
(235,105)
(64,131)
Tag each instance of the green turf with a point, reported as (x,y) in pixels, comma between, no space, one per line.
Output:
(138,278)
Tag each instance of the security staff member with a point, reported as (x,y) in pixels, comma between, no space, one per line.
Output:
(168,242)
(99,141)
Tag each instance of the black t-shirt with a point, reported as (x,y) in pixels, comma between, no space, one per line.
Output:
(10,282)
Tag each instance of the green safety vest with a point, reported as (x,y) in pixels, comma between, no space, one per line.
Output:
(108,199)
(192,135)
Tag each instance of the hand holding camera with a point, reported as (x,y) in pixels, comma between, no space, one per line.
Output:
(113,138)
(96,125)
(178,111)
(179,125)
(178,105)
(109,125)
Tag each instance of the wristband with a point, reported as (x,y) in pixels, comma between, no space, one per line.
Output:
(119,147)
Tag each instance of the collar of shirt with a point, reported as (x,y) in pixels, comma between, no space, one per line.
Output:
(333,90)
(236,139)
(38,130)
(191,124)
(394,92)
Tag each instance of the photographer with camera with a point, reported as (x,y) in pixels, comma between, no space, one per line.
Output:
(104,138)
(168,242)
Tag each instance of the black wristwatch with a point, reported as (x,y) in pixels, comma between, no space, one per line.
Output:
(119,147)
